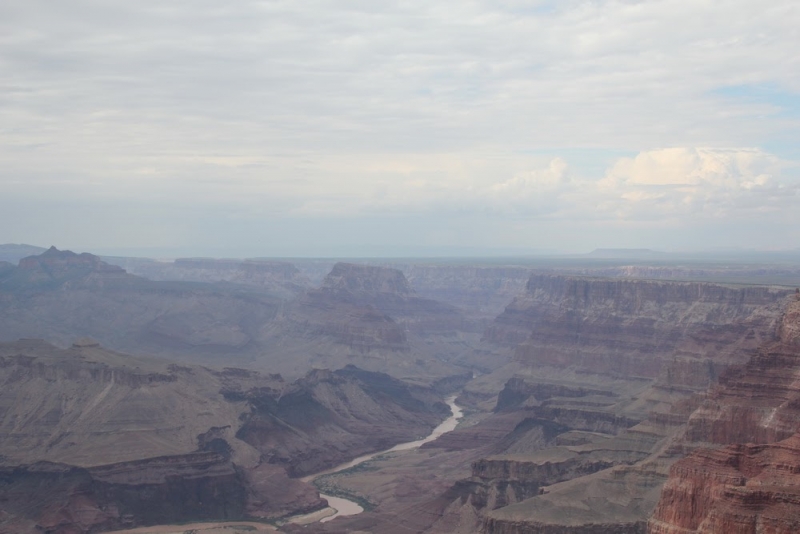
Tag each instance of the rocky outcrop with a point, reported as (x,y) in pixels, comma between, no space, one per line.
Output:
(58,267)
(131,440)
(387,291)
(170,489)
(753,484)
(758,402)
(369,316)
(633,327)
(327,418)
(741,488)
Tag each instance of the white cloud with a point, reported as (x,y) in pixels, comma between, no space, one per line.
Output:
(302,109)
(698,182)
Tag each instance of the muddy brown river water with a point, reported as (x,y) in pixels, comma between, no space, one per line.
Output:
(342,507)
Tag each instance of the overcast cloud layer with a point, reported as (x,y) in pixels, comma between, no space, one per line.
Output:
(335,128)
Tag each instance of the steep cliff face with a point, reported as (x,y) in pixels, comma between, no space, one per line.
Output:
(633,327)
(742,488)
(758,402)
(170,489)
(610,371)
(481,291)
(336,416)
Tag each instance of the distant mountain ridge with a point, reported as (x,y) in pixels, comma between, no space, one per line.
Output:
(12,253)
(361,315)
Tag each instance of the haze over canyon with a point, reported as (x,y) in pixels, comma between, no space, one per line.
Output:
(604,394)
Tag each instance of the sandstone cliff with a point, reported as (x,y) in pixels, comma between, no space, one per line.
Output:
(742,489)
(608,373)
(752,485)
(633,327)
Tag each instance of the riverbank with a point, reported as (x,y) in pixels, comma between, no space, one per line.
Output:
(340,506)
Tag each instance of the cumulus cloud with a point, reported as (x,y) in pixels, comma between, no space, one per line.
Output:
(676,182)
(268,108)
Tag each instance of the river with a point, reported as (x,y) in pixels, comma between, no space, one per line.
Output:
(345,507)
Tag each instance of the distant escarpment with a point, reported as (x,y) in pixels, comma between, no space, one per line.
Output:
(366,316)
(633,327)
(369,316)
(478,290)
(102,440)
(60,295)
(279,278)
(386,290)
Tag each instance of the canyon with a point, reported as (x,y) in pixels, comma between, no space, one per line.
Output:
(597,397)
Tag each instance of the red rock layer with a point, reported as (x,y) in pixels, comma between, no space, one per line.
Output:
(741,489)
(760,401)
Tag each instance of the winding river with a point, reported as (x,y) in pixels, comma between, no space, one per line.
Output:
(345,507)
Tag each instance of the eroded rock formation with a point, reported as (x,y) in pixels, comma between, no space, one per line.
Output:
(743,489)
(753,484)
(608,373)
(100,440)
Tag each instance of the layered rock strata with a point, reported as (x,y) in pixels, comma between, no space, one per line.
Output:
(753,484)
(103,440)
(335,416)
(613,368)
(742,489)
(633,327)
(367,316)
(279,278)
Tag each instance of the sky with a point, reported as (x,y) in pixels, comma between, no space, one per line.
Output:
(421,128)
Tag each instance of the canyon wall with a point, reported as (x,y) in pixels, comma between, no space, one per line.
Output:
(361,315)
(633,327)
(608,373)
(753,484)
(99,439)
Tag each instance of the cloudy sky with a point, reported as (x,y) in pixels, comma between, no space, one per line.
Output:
(282,128)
